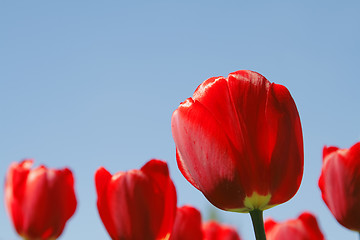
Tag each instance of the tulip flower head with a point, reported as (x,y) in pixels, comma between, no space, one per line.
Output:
(339,183)
(39,201)
(239,141)
(187,225)
(215,231)
(138,204)
(305,227)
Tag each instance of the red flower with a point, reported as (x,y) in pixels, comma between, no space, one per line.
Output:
(187,225)
(214,231)
(239,141)
(138,204)
(305,227)
(39,201)
(339,183)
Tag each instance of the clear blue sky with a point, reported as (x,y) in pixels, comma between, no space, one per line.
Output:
(85,84)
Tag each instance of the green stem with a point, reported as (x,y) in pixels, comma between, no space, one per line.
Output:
(258,224)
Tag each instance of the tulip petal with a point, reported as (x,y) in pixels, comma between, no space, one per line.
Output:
(269,224)
(159,173)
(311,225)
(286,138)
(328,150)
(333,182)
(248,92)
(130,201)
(204,148)
(65,188)
(15,186)
(214,95)
(102,181)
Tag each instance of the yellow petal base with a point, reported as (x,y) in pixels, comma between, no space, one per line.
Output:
(255,201)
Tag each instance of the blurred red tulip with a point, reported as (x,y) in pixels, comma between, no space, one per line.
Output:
(339,183)
(187,224)
(305,227)
(138,204)
(215,231)
(239,141)
(40,200)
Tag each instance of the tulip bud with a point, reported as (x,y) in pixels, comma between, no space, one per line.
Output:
(187,225)
(239,141)
(215,231)
(339,183)
(138,204)
(305,227)
(40,200)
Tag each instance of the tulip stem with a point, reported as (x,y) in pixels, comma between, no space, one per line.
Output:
(258,224)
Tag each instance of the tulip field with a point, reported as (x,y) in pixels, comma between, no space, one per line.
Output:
(167,120)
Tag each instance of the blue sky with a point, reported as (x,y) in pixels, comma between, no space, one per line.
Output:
(87,83)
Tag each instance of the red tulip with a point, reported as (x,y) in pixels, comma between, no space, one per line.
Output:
(339,183)
(305,227)
(239,141)
(214,231)
(187,225)
(40,200)
(138,204)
